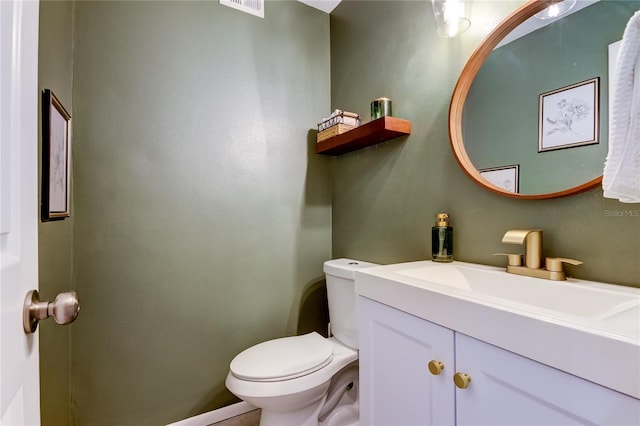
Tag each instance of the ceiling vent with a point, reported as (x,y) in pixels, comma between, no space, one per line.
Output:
(254,7)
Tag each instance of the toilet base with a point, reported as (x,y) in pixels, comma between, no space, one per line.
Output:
(339,405)
(346,415)
(306,416)
(342,407)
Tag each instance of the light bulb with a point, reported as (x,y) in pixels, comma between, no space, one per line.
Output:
(556,9)
(449,16)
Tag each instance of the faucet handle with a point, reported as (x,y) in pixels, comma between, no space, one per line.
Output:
(512,259)
(555,263)
(532,240)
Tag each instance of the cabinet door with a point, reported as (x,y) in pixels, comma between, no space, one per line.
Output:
(396,387)
(508,389)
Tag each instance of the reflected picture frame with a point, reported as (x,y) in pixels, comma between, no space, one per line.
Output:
(570,116)
(56,159)
(504,177)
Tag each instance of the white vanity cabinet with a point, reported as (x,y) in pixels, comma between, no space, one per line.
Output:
(397,388)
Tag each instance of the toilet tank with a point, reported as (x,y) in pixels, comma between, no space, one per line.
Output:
(340,276)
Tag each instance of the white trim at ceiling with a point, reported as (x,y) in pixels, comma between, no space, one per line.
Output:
(323,5)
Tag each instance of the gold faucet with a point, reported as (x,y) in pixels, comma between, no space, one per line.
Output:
(533,265)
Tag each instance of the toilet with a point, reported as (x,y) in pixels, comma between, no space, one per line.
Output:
(307,380)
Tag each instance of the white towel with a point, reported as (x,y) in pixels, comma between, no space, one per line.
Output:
(621,176)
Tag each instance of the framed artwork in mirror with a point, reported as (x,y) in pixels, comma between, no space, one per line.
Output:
(56,158)
(569,116)
(504,177)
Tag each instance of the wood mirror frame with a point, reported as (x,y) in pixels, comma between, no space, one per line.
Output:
(461,91)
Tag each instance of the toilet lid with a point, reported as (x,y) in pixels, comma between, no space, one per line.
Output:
(284,358)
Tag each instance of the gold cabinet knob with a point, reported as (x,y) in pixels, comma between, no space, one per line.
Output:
(462,380)
(435,367)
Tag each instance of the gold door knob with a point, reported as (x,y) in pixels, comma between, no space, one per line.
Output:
(462,380)
(435,367)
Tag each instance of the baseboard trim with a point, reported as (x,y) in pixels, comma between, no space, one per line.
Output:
(215,416)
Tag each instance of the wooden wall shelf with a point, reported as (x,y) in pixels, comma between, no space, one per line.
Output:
(371,133)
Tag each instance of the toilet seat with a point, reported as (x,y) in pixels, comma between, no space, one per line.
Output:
(283,359)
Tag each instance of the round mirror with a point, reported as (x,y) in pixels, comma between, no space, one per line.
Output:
(528,117)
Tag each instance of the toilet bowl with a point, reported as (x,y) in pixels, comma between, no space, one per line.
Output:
(309,379)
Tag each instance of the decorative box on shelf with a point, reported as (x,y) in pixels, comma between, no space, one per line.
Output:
(336,129)
(371,133)
(339,117)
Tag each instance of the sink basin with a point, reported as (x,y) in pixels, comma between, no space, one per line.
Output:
(568,297)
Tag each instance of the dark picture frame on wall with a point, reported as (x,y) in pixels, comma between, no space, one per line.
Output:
(56,158)
(570,116)
(504,177)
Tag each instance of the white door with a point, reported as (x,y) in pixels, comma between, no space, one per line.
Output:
(19,358)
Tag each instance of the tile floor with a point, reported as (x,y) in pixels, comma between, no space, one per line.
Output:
(252,418)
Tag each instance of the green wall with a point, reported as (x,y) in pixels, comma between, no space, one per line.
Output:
(385,197)
(55,239)
(201,213)
(501,110)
